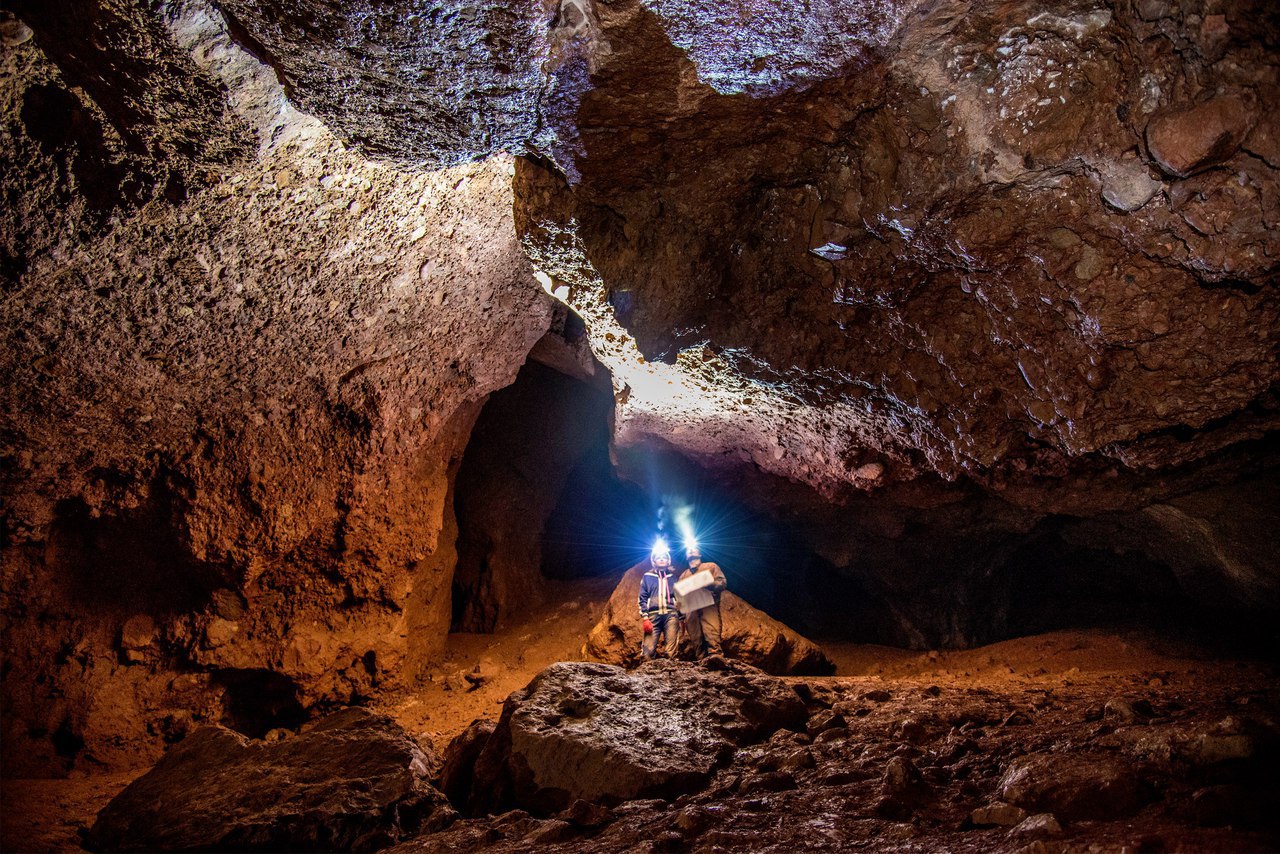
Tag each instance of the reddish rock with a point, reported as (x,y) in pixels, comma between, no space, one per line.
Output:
(998,814)
(1075,787)
(749,635)
(1187,138)
(353,782)
(456,774)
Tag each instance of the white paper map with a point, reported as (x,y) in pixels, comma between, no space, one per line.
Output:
(692,593)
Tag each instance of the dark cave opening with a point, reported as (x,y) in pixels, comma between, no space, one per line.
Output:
(257,701)
(541,495)
(1052,584)
(536,496)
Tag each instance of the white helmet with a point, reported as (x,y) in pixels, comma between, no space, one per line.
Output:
(660,555)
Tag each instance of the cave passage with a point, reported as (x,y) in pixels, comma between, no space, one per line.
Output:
(541,496)
(536,497)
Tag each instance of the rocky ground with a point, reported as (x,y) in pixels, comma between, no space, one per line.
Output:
(1126,738)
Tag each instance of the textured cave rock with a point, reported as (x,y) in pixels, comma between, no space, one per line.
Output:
(929,232)
(603,734)
(353,782)
(439,83)
(535,493)
(1009,270)
(234,411)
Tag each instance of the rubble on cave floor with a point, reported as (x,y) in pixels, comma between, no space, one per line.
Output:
(1173,755)
(1060,741)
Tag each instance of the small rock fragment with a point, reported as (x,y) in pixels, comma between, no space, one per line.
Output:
(551,831)
(1187,138)
(1043,824)
(13,33)
(586,814)
(998,814)
(825,720)
(1126,184)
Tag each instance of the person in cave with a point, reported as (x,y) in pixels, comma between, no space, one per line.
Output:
(658,611)
(703,625)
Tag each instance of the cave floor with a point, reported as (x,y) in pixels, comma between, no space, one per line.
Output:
(1042,693)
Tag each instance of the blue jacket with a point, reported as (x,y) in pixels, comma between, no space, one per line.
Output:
(657,592)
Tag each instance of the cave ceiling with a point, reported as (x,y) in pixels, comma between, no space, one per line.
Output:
(865,241)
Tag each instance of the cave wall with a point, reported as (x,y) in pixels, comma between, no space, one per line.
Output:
(231,412)
(978,250)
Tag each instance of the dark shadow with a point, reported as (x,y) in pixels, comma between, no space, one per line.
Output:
(131,563)
(257,701)
(536,496)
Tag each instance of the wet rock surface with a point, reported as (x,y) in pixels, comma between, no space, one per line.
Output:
(598,733)
(749,635)
(353,782)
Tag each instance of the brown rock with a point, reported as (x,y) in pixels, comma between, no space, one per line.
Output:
(551,831)
(1127,711)
(769,781)
(997,815)
(460,756)
(825,720)
(1077,787)
(139,632)
(354,782)
(749,635)
(586,814)
(1186,138)
(600,733)
(1044,824)
(903,789)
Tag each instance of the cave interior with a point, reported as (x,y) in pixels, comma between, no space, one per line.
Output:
(355,356)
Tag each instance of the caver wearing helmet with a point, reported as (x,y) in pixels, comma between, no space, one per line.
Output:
(658,603)
(704,625)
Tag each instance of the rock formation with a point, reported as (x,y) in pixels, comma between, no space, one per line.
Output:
(233,414)
(595,732)
(750,635)
(353,782)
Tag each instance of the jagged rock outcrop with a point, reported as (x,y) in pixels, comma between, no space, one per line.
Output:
(353,782)
(973,262)
(603,734)
(908,764)
(234,411)
(750,635)
(1017,264)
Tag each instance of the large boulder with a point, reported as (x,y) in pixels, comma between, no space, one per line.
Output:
(750,635)
(1078,787)
(596,732)
(354,782)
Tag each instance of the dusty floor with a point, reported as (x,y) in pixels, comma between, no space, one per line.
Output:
(1071,672)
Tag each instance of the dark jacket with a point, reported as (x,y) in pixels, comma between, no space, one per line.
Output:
(657,592)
